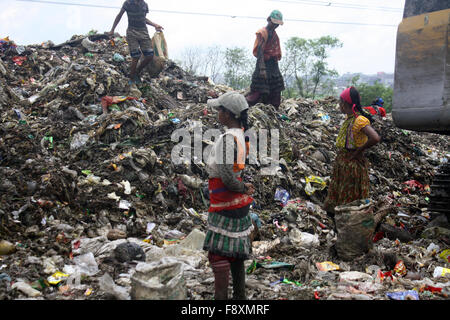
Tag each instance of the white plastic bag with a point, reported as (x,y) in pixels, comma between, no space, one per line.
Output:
(108,285)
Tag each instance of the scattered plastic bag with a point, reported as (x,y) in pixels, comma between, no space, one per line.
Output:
(84,264)
(327,266)
(403,295)
(313,184)
(445,255)
(26,288)
(400,269)
(79,140)
(118,57)
(89,45)
(441,272)
(57,277)
(304,239)
(282,195)
(107,285)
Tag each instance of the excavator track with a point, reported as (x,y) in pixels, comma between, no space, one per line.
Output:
(440,191)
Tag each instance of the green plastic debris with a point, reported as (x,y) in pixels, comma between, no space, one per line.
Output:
(118,57)
(50,140)
(269,265)
(114,107)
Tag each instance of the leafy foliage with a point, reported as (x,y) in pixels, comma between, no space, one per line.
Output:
(369,93)
(305,68)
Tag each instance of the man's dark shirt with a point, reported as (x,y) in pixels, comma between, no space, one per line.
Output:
(136,11)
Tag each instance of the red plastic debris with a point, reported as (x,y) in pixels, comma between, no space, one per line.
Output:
(19,60)
(378,236)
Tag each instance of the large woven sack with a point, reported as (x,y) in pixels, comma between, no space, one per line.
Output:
(158,281)
(160,45)
(355,226)
(155,66)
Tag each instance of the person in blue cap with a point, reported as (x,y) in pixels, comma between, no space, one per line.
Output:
(267,81)
(377,108)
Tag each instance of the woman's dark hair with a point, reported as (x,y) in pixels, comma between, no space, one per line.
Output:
(244,119)
(356,99)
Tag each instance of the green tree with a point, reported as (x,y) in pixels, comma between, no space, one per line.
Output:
(294,65)
(369,93)
(320,52)
(237,73)
(305,67)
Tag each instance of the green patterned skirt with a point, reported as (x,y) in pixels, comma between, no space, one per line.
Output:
(349,181)
(229,232)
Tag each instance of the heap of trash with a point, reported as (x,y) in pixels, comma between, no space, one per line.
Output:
(93,207)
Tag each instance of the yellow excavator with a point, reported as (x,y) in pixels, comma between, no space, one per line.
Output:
(422,81)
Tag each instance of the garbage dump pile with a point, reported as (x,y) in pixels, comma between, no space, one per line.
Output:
(92,206)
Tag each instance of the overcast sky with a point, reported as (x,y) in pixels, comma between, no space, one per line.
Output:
(367,49)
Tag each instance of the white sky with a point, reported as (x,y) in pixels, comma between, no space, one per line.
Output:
(367,49)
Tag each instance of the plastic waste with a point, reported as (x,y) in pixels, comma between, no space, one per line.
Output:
(158,281)
(400,268)
(19,60)
(354,277)
(256,219)
(313,184)
(115,234)
(441,272)
(270,264)
(57,277)
(74,281)
(85,264)
(124,204)
(79,140)
(6,247)
(127,186)
(303,239)
(191,182)
(89,45)
(445,255)
(107,285)
(260,247)
(282,195)
(194,240)
(403,295)
(26,288)
(118,57)
(5,277)
(327,266)
(286,281)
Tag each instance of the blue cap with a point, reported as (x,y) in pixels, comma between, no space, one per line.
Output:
(380,102)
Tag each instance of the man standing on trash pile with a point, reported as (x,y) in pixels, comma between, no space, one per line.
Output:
(267,81)
(137,36)
(229,222)
(350,175)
